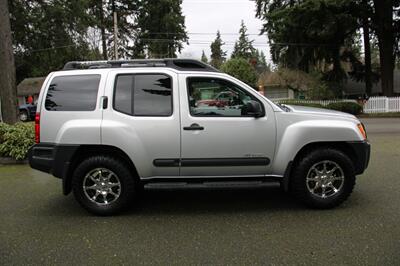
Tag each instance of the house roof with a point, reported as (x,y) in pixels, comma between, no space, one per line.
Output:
(30,86)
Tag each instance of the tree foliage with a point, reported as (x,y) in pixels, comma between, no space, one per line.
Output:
(218,56)
(161,28)
(243,46)
(241,69)
(48,33)
(305,34)
(204,58)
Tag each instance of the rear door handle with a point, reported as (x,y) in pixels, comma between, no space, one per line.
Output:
(194,127)
(104,102)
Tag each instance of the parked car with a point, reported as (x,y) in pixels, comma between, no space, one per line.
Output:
(111,129)
(224,98)
(27,112)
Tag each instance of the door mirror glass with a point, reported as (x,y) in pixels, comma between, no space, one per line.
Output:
(253,108)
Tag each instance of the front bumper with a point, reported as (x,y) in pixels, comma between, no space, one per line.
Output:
(362,151)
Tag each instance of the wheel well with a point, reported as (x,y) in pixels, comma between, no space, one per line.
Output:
(85,151)
(341,146)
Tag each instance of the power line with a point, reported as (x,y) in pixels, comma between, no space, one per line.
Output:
(201,33)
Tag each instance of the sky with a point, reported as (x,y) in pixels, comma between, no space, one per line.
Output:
(204,17)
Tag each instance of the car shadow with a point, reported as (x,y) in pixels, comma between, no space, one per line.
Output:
(192,201)
(213,200)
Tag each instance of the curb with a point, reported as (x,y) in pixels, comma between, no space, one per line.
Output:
(8,161)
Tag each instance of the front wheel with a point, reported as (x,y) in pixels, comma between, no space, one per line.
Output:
(323,179)
(103,185)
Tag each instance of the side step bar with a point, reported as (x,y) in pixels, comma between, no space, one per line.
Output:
(210,182)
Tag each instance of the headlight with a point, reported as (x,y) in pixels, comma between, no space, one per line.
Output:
(362,130)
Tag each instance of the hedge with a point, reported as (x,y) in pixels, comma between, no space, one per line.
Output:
(15,140)
(347,107)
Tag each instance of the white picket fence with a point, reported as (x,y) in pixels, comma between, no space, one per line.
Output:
(382,105)
(373,105)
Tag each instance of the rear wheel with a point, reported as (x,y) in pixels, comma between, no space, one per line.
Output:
(103,185)
(323,179)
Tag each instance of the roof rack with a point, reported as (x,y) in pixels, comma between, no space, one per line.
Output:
(179,64)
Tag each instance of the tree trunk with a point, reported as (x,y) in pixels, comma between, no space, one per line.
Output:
(103,30)
(367,52)
(8,94)
(384,30)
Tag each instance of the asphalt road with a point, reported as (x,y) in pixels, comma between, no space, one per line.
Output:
(38,225)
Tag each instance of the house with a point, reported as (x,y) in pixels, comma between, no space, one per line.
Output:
(29,87)
(277,91)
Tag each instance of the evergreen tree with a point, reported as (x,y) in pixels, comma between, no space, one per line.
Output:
(261,65)
(204,58)
(161,28)
(304,33)
(46,34)
(218,56)
(261,59)
(243,46)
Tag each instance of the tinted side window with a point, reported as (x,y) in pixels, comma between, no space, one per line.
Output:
(143,94)
(123,94)
(73,93)
(217,97)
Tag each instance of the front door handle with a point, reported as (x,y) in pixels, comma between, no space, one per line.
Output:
(194,127)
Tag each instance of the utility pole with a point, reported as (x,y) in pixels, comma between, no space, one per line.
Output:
(115,31)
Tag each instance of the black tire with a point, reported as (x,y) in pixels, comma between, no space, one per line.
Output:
(126,187)
(23,116)
(298,182)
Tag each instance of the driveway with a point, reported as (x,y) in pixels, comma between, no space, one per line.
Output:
(38,225)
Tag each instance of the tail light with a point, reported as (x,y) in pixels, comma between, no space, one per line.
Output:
(37,127)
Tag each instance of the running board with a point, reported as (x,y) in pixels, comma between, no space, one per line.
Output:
(207,182)
(227,184)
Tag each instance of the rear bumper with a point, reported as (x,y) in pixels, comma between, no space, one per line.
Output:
(51,158)
(362,151)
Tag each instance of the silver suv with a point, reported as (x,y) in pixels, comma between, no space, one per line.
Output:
(108,128)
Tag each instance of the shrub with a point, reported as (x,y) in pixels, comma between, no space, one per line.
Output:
(241,69)
(347,107)
(15,140)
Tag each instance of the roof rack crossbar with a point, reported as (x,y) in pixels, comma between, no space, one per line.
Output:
(179,64)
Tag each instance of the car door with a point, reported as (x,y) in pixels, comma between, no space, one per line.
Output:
(142,119)
(218,137)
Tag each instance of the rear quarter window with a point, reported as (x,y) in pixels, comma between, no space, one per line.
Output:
(73,93)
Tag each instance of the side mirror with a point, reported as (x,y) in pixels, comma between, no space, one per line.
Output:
(253,108)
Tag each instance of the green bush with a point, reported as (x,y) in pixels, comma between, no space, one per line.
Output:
(241,69)
(291,102)
(15,140)
(347,107)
